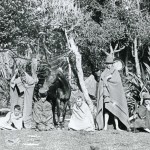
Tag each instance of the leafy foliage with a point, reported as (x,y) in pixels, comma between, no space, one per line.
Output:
(4,92)
(35,27)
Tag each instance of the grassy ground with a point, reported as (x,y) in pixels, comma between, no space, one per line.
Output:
(71,140)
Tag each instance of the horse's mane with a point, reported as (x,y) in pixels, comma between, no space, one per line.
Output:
(63,80)
(59,81)
(64,84)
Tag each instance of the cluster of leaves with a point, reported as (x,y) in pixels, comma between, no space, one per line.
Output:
(14,29)
(41,24)
(38,26)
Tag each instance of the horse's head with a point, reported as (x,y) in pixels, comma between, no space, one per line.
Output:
(57,79)
(53,77)
(50,79)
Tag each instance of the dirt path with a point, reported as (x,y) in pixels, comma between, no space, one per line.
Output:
(71,140)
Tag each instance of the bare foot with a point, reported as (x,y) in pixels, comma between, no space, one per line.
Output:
(118,129)
(105,128)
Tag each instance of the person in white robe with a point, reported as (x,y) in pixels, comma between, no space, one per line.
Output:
(81,118)
(12,120)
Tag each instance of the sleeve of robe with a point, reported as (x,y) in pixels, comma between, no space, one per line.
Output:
(28,99)
(17,121)
(13,94)
(47,112)
(4,122)
(37,113)
(13,82)
(7,117)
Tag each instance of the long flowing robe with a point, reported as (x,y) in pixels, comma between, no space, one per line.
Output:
(22,94)
(81,118)
(10,117)
(16,94)
(42,115)
(111,96)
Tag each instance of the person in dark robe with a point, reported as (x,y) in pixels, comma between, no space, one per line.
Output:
(111,98)
(42,112)
(141,118)
(21,93)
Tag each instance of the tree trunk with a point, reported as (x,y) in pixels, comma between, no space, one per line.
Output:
(149,53)
(138,5)
(74,48)
(34,69)
(69,71)
(126,64)
(138,71)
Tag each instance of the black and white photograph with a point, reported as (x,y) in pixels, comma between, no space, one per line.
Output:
(74,74)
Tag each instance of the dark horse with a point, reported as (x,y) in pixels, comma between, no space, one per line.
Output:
(59,92)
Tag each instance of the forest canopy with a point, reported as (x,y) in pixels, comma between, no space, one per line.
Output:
(43,29)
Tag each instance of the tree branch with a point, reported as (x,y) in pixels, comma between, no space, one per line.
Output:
(105,52)
(111,49)
(103,38)
(116,46)
(73,26)
(69,46)
(115,51)
(47,49)
(17,56)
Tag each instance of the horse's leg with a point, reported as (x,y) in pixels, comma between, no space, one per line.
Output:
(64,111)
(58,109)
(69,106)
(53,110)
